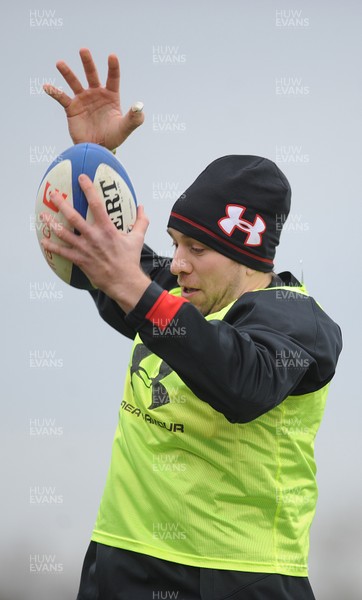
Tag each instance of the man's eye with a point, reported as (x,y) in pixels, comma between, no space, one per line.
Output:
(197,250)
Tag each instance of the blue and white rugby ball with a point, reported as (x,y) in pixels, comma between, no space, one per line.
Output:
(113,186)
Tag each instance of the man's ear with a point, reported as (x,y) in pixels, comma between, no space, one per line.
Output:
(250,272)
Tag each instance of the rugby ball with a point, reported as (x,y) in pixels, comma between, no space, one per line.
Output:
(114,188)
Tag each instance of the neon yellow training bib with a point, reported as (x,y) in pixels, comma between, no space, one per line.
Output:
(187,486)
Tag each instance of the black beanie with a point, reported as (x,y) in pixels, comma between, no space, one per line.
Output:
(236,206)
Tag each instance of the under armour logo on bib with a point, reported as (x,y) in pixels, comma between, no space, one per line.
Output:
(234,221)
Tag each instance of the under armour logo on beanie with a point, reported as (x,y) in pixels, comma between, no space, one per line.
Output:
(233,207)
(233,220)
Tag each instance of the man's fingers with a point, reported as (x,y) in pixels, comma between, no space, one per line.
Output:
(73,217)
(142,222)
(137,107)
(73,81)
(55,248)
(77,222)
(60,230)
(89,68)
(94,202)
(57,94)
(69,239)
(133,119)
(114,74)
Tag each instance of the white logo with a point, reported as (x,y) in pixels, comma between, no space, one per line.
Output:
(234,221)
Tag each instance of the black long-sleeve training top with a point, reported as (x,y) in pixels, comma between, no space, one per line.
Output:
(271,344)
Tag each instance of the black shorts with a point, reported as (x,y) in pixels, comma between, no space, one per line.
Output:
(113,574)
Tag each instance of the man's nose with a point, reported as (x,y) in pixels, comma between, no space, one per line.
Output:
(179,263)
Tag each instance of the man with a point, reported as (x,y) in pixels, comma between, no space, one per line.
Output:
(211,489)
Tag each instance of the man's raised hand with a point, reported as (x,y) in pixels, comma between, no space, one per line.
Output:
(94,114)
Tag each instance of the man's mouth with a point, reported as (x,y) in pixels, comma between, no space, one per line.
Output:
(188,291)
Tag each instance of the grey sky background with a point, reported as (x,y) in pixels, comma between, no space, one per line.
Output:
(281,80)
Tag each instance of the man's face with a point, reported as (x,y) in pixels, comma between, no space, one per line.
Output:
(208,279)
